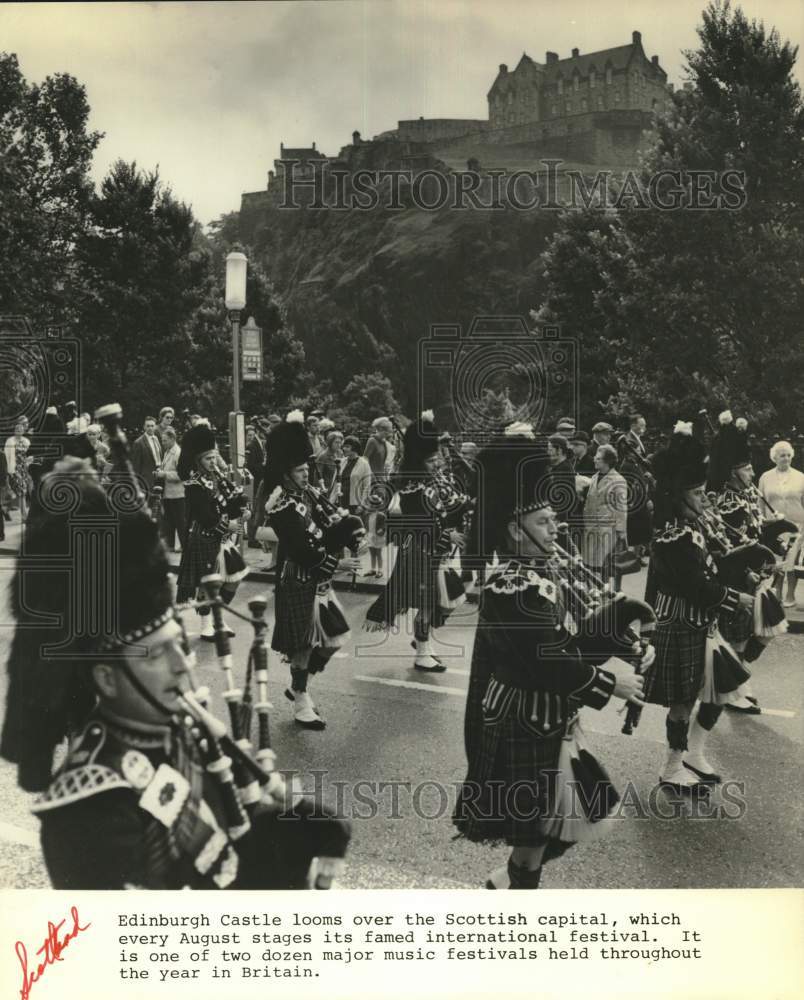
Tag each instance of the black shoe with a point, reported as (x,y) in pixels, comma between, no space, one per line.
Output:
(437,668)
(707,777)
(254,545)
(754,709)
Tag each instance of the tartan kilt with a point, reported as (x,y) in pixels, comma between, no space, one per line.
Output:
(293,629)
(676,675)
(199,558)
(737,626)
(412,584)
(488,809)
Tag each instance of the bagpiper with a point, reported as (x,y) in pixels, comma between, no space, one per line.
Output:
(100,659)
(312,535)
(738,505)
(424,577)
(693,662)
(531,782)
(213,503)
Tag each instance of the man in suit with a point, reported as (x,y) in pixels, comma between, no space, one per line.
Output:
(634,465)
(583,464)
(255,463)
(636,431)
(146,454)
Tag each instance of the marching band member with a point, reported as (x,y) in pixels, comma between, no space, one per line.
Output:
(312,534)
(136,802)
(738,504)
(528,768)
(422,578)
(692,660)
(212,501)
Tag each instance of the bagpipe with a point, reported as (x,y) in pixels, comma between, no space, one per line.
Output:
(285,840)
(341,529)
(603,620)
(747,564)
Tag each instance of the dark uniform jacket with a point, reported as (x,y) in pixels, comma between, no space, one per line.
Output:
(741,510)
(136,809)
(212,502)
(130,809)
(685,578)
(536,667)
(302,528)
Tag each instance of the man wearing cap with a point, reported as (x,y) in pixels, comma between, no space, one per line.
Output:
(529,679)
(135,803)
(566,427)
(601,434)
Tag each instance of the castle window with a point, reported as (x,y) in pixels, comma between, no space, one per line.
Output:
(561,86)
(584,105)
(553,110)
(600,102)
(510,97)
(608,74)
(575,82)
(569,107)
(592,79)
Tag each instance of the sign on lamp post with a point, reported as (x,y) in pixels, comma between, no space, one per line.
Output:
(251,351)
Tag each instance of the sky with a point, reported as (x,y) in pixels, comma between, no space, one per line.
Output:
(207,91)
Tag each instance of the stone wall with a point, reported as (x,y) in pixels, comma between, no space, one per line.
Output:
(436,129)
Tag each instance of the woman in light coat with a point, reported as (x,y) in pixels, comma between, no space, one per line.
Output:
(782,489)
(605,512)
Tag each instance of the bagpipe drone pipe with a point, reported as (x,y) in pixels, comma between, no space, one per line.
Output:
(604,621)
(285,840)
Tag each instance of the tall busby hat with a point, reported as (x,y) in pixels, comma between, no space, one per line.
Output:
(729,450)
(513,480)
(289,447)
(419,443)
(678,467)
(197,441)
(71,613)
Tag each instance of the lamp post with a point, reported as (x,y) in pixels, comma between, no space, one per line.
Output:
(236,267)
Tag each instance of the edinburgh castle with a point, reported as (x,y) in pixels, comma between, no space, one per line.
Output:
(591,111)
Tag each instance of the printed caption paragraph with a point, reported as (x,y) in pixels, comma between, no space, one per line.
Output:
(141,945)
(242,945)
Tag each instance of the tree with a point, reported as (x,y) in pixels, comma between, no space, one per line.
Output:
(700,308)
(366,397)
(46,152)
(143,274)
(45,155)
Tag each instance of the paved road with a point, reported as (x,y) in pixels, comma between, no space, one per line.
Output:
(387,723)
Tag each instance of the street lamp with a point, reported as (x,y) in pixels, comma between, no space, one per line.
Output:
(236,267)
